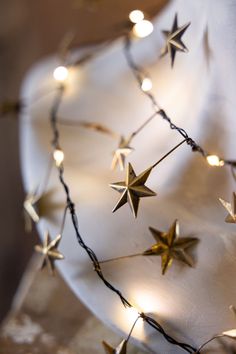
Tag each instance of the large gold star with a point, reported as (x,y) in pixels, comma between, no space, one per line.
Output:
(31,210)
(173,40)
(132,189)
(169,246)
(231,208)
(121,153)
(49,251)
(121,349)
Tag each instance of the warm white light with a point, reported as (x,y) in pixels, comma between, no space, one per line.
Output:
(146,84)
(230,333)
(214,160)
(60,73)
(58,156)
(142,28)
(136,16)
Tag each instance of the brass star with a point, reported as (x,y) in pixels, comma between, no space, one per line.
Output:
(121,349)
(231,208)
(121,153)
(49,251)
(169,246)
(173,40)
(132,189)
(31,210)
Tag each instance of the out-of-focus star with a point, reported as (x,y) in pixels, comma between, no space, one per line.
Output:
(31,210)
(169,246)
(132,189)
(231,208)
(121,153)
(49,251)
(173,40)
(121,349)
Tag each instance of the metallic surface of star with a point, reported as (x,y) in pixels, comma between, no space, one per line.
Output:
(49,251)
(169,246)
(132,189)
(173,40)
(231,208)
(121,153)
(121,349)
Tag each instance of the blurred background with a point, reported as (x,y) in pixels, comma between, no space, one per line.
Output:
(29,31)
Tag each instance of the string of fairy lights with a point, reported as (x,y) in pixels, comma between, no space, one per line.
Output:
(168,245)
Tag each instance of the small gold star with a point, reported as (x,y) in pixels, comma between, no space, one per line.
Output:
(231,208)
(132,189)
(121,349)
(121,153)
(49,251)
(173,40)
(169,246)
(31,210)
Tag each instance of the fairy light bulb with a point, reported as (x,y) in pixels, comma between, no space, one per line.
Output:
(136,16)
(142,29)
(146,84)
(58,156)
(60,74)
(214,160)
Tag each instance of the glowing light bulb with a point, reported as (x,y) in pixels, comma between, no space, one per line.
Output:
(136,16)
(60,73)
(58,156)
(146,84)
(142,29)
(214,160)
(230,333)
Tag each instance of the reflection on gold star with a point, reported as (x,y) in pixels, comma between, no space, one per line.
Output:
(173,40)
(121,349)
(132,189)
(121,153)
(169,246)
(231,208)
(49,251)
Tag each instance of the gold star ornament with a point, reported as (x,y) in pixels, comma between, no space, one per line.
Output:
(231,208)
(173,40)
(170,246)
(121,349)
(31,210)
(132,189)
(121,153)
(49,251)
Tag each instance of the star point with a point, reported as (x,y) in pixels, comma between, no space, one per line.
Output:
(121,349)
(231,208)
(170,246)
(120,154)
(49,252)
(173,40)
(132,189)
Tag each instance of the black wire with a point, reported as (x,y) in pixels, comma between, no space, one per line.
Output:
(96,265)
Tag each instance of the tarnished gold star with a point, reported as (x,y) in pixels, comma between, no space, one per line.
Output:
(121,153)
(132,189)
(231,208)
(173,40)
(49,251)
(31,210)
(121,349)
(169,246)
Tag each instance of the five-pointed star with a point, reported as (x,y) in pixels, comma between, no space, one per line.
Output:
(132,189)
(231,208)
(49,251)
(121,153)
(31,210)
(121,349)
(169,246)
(173,40)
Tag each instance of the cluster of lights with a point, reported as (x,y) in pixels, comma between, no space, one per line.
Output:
(142,27)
